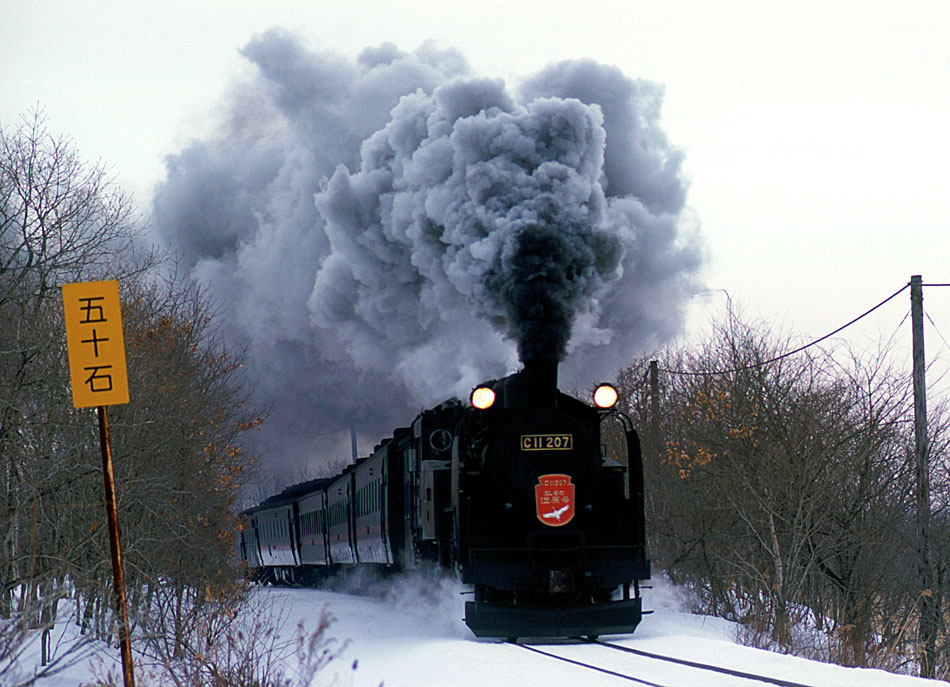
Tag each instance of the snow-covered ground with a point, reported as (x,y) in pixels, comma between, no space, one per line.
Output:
(409,633)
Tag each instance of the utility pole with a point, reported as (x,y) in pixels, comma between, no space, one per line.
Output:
(655,432)
(655,392)
(928,602)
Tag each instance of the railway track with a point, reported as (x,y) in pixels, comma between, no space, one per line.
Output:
(738,674)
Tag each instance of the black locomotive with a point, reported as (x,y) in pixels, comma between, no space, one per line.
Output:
(512,490)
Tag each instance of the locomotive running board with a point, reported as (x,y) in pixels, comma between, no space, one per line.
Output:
(495,620)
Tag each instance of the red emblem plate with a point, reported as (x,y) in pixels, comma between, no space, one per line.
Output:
(554,499)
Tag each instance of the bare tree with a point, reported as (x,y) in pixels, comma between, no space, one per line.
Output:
(177,449)
(60,220)
(775,485)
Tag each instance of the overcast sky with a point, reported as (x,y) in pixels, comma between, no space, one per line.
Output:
(815,133)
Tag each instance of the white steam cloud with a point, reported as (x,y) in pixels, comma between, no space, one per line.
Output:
(385,234)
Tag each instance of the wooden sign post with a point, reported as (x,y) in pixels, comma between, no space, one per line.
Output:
(99,378)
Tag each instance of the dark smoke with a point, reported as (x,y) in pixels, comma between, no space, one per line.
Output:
(474,207)
(385,234)
(538,292)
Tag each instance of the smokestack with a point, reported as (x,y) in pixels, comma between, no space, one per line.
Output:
(534,386)
(539,378)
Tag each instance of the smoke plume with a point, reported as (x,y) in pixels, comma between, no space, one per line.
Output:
(384,234)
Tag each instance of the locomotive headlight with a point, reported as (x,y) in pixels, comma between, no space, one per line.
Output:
(483,397)
(605,396)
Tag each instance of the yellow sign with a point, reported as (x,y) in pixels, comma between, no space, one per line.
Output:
(96,348)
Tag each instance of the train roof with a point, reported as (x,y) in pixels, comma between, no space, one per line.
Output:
(291,494)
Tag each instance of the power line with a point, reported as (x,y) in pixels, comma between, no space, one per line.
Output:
(800,348)
(937,329)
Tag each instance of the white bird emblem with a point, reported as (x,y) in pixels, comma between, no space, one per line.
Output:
(556,514)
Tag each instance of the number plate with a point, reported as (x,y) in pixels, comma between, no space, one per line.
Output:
(547,442)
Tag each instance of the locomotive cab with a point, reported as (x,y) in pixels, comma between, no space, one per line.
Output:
(546,530)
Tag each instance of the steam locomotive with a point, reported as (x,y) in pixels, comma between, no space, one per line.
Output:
(511,490)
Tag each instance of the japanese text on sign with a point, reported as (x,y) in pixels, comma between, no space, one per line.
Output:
(96,348)
(554,499)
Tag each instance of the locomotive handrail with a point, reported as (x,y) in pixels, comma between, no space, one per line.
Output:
(634,465)
(613,412)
